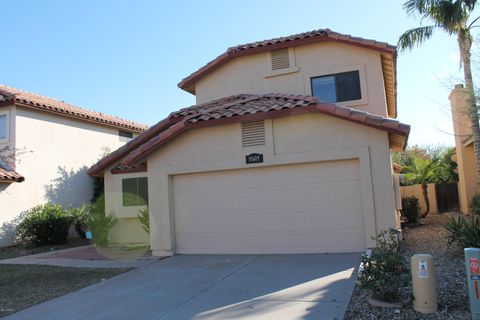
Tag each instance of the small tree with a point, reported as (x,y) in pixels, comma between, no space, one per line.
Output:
(421,171)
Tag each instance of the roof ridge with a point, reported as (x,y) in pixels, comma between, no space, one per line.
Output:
(16,93)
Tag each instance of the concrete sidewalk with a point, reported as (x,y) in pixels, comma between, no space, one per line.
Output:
(81,257)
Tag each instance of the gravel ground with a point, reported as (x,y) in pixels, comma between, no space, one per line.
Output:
(427,237)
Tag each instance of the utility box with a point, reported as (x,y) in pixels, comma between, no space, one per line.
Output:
(423,283)
(472,259)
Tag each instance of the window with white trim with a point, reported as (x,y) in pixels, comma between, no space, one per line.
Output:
(338,87)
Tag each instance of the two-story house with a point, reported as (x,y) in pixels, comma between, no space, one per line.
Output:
(286,151)
(46,147)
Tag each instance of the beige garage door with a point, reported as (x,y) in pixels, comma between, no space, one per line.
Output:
(307,208)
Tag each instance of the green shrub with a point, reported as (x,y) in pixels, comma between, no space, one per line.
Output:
(99,223)
(464,231)
(384,271)
(80,217)
(475,204)
(144,217)
(46,224)
(410,209)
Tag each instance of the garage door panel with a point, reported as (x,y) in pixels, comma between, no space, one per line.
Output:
(308,208)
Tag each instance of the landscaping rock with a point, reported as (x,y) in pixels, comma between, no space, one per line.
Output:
(429,236)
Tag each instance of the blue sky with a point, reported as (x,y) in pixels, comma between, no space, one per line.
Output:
(126,57)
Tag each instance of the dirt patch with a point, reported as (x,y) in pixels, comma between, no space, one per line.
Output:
(427,237)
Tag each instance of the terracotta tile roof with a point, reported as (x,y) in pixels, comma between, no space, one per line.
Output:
(47,104)
(240,108)
(188,83)
(7,175)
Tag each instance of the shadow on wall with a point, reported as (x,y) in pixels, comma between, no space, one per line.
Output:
(8,230)
(70,188)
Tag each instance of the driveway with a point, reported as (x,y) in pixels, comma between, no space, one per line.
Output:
(215,287)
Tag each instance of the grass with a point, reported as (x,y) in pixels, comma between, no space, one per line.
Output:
(22,286)
(19,250)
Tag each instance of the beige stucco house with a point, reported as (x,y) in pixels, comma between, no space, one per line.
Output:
(51,144)
(286,151)
(465,155)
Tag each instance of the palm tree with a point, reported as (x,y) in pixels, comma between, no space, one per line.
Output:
(454,17)
(422,172)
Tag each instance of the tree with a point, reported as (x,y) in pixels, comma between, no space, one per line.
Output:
(454,17)
(422,172)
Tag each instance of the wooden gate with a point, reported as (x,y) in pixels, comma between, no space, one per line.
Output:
(447,197)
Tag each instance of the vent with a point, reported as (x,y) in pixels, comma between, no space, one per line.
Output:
(280,59)
(253,134)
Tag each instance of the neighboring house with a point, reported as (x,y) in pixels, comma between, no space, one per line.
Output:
(55,143)
(287,151)
(465,154)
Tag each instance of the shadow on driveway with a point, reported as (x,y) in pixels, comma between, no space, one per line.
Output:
(215,287)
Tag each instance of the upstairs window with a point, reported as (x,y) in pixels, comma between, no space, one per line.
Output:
(125,134)
(337,87)
(3,126)
(135,192)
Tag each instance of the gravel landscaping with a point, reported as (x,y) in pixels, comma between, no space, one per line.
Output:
(427,237)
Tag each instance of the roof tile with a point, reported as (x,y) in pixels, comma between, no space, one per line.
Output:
(45,103)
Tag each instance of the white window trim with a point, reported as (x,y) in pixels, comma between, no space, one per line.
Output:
(334,70)
(7,129)
(272,73)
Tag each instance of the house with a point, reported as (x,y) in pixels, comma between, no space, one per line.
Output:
(288,150)
(47,146)
(465,154)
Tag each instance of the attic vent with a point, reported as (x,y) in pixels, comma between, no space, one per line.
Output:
(280,59)
(253,134)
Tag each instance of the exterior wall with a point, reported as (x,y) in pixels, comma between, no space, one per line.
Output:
(467,168)
(416,191)
(250,74)
(58,151)
(128,228)
(297,139)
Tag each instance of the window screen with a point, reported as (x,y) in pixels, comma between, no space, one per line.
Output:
(338,87)
(135,192)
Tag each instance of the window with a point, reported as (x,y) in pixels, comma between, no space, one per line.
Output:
(337,87)
(125,134)
(135,192)
(3,126)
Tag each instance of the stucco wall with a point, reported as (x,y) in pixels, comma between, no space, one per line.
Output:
(467,168)
(248,74)
(297,139)
(57,152)
(416,191)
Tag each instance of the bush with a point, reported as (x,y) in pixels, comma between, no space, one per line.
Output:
(464,232)
(80,219)
(475,204)
(144,218)
(46,224)
(410,209)
(99,223)
(383,272)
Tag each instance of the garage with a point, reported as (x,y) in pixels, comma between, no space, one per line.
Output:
(298,208)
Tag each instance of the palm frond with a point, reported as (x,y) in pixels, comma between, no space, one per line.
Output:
(415,37)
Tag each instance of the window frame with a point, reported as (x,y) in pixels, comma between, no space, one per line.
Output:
(137,195)
(7,126)
(336,70)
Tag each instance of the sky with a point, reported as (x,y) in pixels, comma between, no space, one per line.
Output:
(125,58)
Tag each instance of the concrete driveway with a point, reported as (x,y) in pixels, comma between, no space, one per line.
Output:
(215,287)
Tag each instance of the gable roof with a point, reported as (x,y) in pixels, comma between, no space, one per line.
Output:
(242,108)
(388,56)
(46,104)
